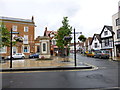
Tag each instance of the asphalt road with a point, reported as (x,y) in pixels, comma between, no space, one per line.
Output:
(106,76)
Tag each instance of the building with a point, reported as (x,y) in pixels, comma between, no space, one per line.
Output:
(96,42)
(25,28)
(87,46)
(51,35)
(106,36)
(116,29)
(37,44)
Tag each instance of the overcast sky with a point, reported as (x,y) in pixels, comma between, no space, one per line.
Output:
(86,16)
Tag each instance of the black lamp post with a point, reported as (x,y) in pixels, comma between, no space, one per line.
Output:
(75,48)
(75,45)
(11,46)
(67,38)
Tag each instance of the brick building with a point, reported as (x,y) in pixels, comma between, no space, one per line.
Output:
(25,28)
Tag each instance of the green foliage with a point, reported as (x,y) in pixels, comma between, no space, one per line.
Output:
(63,31)
(5,36)
(82,38)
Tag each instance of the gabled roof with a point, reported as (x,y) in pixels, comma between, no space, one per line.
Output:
(47,33)
(109,28)
(89,39)
(97,36)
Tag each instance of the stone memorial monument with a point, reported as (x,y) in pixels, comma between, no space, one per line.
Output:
(44,47)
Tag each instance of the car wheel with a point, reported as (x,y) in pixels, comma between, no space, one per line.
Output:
(23,57)
(100,57)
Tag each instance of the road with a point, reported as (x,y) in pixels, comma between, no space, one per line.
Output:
(106,76)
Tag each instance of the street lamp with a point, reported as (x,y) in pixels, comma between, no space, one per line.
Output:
(11,46)
(75,45)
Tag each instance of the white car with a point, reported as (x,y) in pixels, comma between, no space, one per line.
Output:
(17,55)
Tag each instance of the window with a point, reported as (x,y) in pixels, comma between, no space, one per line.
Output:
(25,29)
(25,39)
(118,22)
(118,34)
(105,33)
(44,47)
(95,38)
(107,42)
(26,49)
(3,50)
(14,28)
(14,50)
(95,45)
(54,42)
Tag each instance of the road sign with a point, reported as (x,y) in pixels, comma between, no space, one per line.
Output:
(77,32)
(15,32)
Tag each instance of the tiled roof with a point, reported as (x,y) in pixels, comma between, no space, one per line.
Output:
(98,37)
(46,32)
(109,28)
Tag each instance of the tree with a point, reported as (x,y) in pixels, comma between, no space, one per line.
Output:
(82,38)
(64,30)
(4,36)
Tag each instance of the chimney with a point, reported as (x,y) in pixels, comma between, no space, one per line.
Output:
(32,18)
(45,28)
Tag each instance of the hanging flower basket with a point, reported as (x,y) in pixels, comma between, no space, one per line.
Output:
(19,39)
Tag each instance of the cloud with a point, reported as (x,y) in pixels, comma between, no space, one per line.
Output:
(87,16)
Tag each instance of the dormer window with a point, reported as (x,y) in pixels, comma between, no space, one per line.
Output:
(95,38)
(105,33)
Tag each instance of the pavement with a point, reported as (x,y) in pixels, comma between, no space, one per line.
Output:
(116,58)
(55,63)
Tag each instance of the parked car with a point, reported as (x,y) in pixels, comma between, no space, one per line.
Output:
(90,54)
(35,55)
(17,55)
(102,54)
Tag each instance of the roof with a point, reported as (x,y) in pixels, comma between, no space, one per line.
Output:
(15,19)
(97,36)
(89,39)
(47,33)
(109,28)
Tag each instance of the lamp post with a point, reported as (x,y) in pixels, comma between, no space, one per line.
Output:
(75,48)
(11,46)
(68,38)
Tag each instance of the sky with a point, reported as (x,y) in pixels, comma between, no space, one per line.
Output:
(86,16)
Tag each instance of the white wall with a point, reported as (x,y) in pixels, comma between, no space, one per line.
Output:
(93,44)
(109,33)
